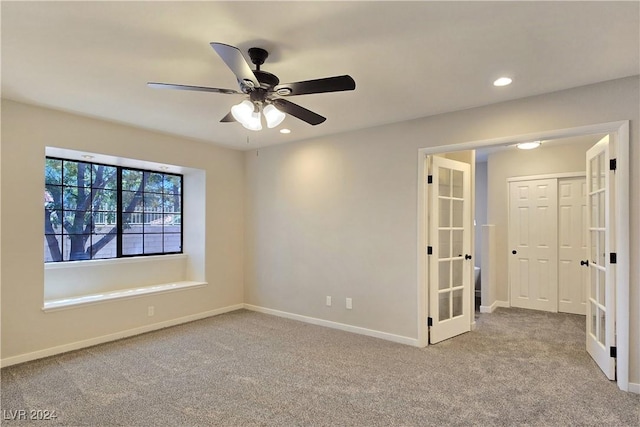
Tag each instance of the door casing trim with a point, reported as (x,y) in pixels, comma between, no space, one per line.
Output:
(620,134)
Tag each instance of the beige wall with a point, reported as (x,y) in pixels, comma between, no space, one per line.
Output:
(338,215)
(26,130)
(513,163)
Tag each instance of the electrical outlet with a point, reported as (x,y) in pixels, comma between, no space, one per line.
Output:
(349,304)
(328,301)
(151,310)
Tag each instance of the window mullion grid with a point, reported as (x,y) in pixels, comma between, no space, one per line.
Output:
(119,215)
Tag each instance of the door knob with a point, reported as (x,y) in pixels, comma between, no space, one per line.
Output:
(514,252)
(467,256)
(585,262)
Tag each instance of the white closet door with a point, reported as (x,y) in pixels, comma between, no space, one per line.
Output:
(533,230)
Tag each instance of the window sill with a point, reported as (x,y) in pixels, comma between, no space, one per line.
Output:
(66,303)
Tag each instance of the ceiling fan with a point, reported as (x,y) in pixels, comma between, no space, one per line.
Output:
(264,90)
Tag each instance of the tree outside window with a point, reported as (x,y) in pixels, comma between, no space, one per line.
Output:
(94,211)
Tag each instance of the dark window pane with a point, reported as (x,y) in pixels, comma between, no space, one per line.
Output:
(76,222)
(132,222)
(153,228)
(172,242)
(105,218)
(77,174)
(105,200)
(172,203)
(77,198)
(172,228)
(132,244)
(53,222)
(103,246)
(152,202)
(152,243)
(76,246)
(70,197)
(131,179)
(105,229)
(153,182)
(52,248)
(53,196)
(131,201)
(105,177)
(53,171)
(172,184)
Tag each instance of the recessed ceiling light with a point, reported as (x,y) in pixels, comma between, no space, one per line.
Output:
(502,81)
(164,168)
(285,131)
(529,145)
(87,157)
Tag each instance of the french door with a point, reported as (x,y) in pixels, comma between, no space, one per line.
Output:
(600,262)
(449,243)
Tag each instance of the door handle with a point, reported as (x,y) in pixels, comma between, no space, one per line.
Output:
(467,256)
(514,252)
(585,262)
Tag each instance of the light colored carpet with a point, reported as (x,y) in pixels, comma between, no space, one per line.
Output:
(519,367)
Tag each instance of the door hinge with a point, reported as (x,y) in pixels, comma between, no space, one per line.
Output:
(429,321)
(429,179)
(613,352)
(429,250)
(613,258)
(613,164)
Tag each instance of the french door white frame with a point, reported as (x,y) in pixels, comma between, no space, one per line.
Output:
(620,134)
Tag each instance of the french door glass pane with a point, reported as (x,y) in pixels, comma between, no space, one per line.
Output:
(457,303)
(458,206)
(456,272)
(444,212)
(444,182)
(601,332)
(444,241)
(601,248)
(443,306)
(601,287)
(601,208)
(593,167)
(457,183)
(444,274)
(457,243)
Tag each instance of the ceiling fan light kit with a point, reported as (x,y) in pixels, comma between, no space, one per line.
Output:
(264,90)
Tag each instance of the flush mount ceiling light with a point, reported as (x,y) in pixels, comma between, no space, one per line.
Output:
(502,81)
(529,145)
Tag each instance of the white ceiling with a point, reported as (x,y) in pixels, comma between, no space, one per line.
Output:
(409,59)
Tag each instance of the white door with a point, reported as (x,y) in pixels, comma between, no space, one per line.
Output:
(601,271)
(533,228)
(450,262)
(572,245)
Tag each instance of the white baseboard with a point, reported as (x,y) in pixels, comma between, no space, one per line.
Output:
(492,307)
(335,325)
(26,357)
(634,388)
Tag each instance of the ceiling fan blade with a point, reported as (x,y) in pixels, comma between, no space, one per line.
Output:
(297,111)
(195,88)
(328,84)
(235,61)
(228,118)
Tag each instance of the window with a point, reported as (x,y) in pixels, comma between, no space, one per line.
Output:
(96,211)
